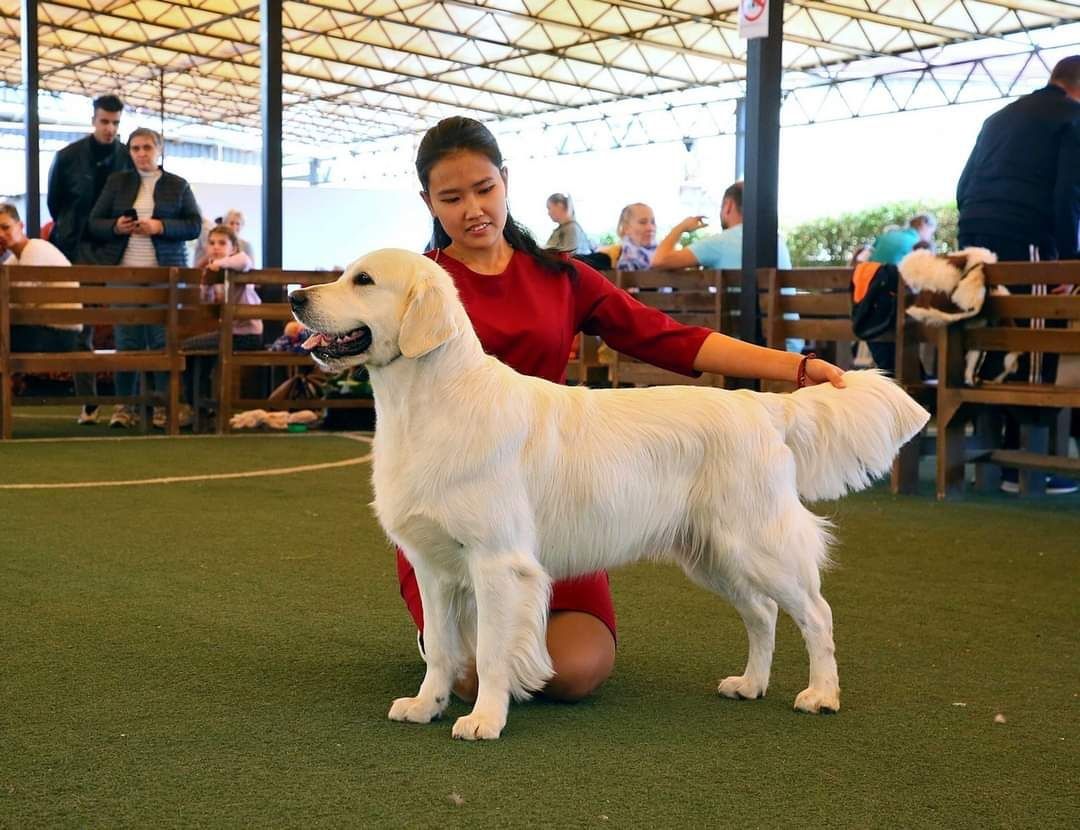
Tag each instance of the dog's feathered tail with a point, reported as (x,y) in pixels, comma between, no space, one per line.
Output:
(845,438)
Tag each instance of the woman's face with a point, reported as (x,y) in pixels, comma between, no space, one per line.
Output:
(235,223)
(218,246)
(467,194)
(144,153)
(641,226)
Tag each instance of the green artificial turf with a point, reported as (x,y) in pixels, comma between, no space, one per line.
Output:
(223,654)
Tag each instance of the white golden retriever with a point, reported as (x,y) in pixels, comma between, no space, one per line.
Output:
(494,484)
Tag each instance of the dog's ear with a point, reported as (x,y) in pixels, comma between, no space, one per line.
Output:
(427,322)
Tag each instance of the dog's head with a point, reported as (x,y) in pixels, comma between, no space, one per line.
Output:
(388,304)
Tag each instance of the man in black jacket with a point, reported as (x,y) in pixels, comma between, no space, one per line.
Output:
(1019,196)
(76,179)
(1021,185)
(78,175)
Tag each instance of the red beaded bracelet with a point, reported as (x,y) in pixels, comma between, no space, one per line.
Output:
(800,375)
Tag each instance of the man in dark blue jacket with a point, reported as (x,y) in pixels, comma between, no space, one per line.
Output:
(1021,185)
(78,175)
(1019,196)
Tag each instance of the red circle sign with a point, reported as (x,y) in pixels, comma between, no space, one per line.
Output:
(752,9)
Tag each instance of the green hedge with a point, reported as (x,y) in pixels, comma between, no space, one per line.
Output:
(833,240)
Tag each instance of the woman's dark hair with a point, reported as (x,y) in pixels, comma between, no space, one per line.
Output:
(452,135)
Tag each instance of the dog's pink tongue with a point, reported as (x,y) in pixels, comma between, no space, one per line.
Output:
(315,341)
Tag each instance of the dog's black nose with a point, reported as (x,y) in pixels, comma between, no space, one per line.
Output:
(298,299)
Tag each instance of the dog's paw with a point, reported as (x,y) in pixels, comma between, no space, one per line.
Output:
(741,687)
(416,709)
(818,701)
(476,727)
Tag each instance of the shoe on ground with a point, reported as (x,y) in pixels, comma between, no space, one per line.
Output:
(1060,486)
(88,416)
(1055,485)
(123,418)
(185,415)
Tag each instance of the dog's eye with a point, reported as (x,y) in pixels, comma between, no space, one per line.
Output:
(363,278)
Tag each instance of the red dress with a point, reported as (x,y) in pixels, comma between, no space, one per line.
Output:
(529,318)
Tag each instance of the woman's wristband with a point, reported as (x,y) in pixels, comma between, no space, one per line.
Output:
(800,374)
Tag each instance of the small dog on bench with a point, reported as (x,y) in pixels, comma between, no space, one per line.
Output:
(494,484)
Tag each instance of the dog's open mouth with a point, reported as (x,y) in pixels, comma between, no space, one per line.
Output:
(326,346)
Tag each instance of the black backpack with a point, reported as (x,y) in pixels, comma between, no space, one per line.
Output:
(873,299)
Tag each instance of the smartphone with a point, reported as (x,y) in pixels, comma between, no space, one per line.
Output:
(130,213)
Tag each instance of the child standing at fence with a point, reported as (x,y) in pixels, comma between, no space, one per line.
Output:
(223,253)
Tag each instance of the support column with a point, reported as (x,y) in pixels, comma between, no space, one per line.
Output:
(764,70)
(740,138)
(270,88)
(31,122)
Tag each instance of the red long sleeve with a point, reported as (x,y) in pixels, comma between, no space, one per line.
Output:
(528,318)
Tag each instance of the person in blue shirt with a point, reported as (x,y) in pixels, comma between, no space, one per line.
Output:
(896,243)
(722,250)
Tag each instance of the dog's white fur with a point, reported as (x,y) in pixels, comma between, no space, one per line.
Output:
(494,484)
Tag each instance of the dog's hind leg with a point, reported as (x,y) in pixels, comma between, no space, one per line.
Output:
(442,651)
(758,614)
(788,572)
(512,599)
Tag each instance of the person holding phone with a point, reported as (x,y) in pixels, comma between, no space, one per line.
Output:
(720,250)
(142,219)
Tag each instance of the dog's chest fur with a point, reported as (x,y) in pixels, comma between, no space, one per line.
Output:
(416,508)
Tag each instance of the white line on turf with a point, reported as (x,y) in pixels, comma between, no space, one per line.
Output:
(277,471)
(352,436)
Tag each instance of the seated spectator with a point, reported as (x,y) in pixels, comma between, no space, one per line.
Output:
(569,237)
(18,249)
(637,239)
(896,243)
(222,248)
(863,357)
(722,250)
(860,255)
(142,219)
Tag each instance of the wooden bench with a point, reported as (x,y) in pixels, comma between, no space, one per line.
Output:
(820,299)
(167,297)
(692,296)
(227,398)
(910,337)
(1042,406)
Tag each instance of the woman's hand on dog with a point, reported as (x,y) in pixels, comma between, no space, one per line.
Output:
(821,371)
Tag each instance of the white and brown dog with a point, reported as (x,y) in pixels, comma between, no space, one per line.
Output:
(494,484)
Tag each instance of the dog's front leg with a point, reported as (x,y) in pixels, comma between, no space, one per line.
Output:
(512,599)
(442,651)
